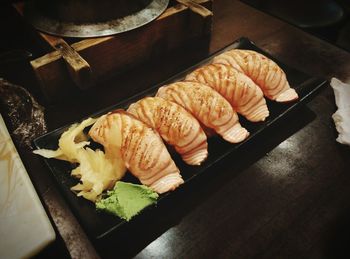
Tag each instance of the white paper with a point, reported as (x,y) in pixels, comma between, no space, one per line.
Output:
(342,116)
(25,228)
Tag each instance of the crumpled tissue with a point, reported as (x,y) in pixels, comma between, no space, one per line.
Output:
(342,116)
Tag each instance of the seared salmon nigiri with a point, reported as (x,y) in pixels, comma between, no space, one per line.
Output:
(262,70)
(142,149)
(242,93)
(208,106)
(175,125)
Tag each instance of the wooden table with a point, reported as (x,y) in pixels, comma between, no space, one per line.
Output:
(284,195)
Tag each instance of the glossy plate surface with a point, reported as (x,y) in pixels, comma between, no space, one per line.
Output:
(99,224)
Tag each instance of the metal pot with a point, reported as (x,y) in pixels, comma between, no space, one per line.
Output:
(91,18)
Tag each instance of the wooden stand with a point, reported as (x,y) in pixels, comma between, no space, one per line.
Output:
(85,62)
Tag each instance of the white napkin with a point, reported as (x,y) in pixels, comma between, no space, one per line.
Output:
(342,116)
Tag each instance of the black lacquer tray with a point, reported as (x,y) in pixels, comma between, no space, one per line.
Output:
(99,224)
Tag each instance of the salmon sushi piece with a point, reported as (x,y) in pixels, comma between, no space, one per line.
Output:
(263,71)
(208,106)
(175,125)
(140,147)
(242,93)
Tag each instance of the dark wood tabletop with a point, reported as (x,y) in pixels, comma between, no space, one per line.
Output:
(283,195)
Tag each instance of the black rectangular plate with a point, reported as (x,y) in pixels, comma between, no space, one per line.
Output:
(98,224)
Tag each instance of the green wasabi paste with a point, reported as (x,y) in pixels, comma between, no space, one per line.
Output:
(126,200)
